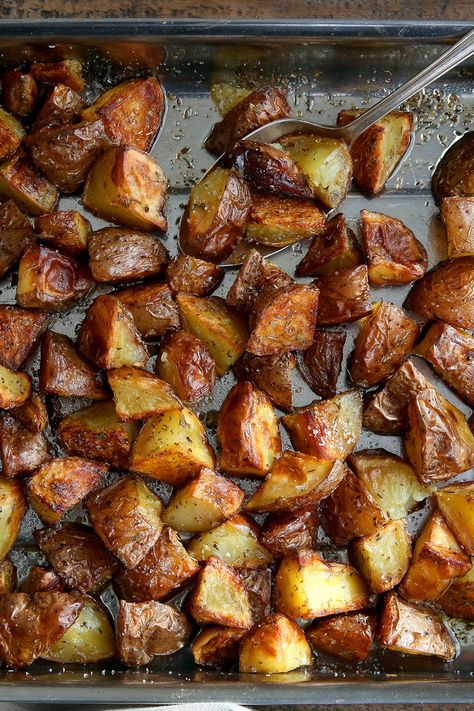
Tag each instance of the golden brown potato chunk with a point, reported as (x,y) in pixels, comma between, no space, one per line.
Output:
(119,254)
(191,275)
(271,374)
(77,555)
(19,92)
(127,517)
(66,230)
(349,637)
(328,429)
(139,394)
(343,296)
(255,276)
(12,510)
(284,533)
(394,255)
(15,388)
(62,106)
(60,484)
(11,217)
(8,577)
(20,331)
(41,579)
(259,588)
(186,364)
(278,221)
(307,586)
(217,647)
(274,646)
(97,432)
(153,308)
(336,248)
(457,214)
(127,186)
(49,280)
(148,629)
(11,134)
(456,503)
(385,339)
(383,557)
(67,71)
(13,243)
(454,174)
(413,629)
(458,601)
(21,451)
(33,414)
(20,181)
(216,214)
(320,365)
(247,431)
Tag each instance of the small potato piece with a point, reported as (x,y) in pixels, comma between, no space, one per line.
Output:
(214,220)
(278,221)
(12,510)
(13,243)
(335,248)
(203,503)
(20,331)
(328,429)
(41,579)
(413,629)
(349,637)
(19,92)
(235,542)
(153,309)
(296,480)
(217,647)
(284,320)
(20,181)
(66,230)
(62,106)
(191,275)
(162,571)
(127,517)
(8,577)
(49,280)
(394,255)
(127,186)
(77,555)
(284,533)
(247,432)
(383,557)
(454,174)
(21,451)
(222,330)
(271,374)
(108,336)
(255,276)
(320,365)
(307,586)
(33,414)
(259,588)
(67,71)
(186,364)
(456,503)
(450,352)
(172,447)
(439,443)
(117,254)
(11,134)
(11,217)
(458,601)
(457,214)
(343,296)
(276,645)
(220,597)
(148,629)
(139,394)
(97,432)
(15,388)
(63,372)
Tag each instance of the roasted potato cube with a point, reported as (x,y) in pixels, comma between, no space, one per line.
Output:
(162,571)
(191,275)
(458,601)
(127,186)
(275,645)
(20,331)
(12,510)
(217,647)
(20,181)
(148,629)
(333,249)
(320,364)
(8,577)
(153,309)
(326,164)
(172,447)
(343,296)
(220,597)
(19,92)
(21,451)
(127,517)
(118,254)
(49,280)
(284,320)
(278,221)
(307,586)
(62,106)
(454,174)
(13,243)
(97,432)
(284,533)
(203,503)
(66,230)
(41,579)
(67,71)
(271,374)
(222,330)
(456,503)
(385,339)
(186,364)
(439,443)
(328,429)
(377,151)
(108,336)
(216,214)
(11,217)
(394,255)
(349,637)
(413,629)
(383,557)
(33,414)
(259,587)
(255,276)
(457,214)
(61,483)
(139,394)
(296,480)
(131,112)
(11,134)
(15,388)
(77,555)
(235,541)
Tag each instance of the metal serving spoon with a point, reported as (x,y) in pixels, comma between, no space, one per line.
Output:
(273,131)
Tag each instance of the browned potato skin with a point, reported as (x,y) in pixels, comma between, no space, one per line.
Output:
(33,414)
(385,339)
(66,230)
(457,214)
(193,276)
(41,579)
(186,364)
(275,645)
(8,577)
(67,71)
(19,92)
(277,221)
(119,254)
(458,600)
(255,276)
(450,352)
(21,181)
(20,331)
(62,106)
(349,636)
(343,296)
(271,374)
(21,451)
(454,174)
(284,533)
(320,365)
(63,372)
(259,587)
(11,217)
(11,134)
(153,308)
(336,248)
(217,647)
(77,555)
(13,243)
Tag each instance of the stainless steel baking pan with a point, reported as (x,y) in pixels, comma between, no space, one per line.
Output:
(328,66)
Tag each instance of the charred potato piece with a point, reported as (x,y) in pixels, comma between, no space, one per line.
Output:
(307,586)
(8,577)
(15,388)
(172,447)
(41,579)
(383,557)
(148,629)
(284,533)
(255,276)
(413,629)
(62,106)
(21,451)
(457,214)
(217,647)
(13,243)
(191,275)
(385,339)
(259,587)
(335,248)
(19,92)
(276,645)
(320,365)
(12,510)
(458,601)
(139,394)
(127,186)
(61,483)
(127,517)
(11,134)
(33,414)
(153,308)
(66,230)
(456,503)
(20,331)
(454,174)
(394,255)
(119,254)
(271,374)
(97,432)
(343,296)
(186,364)
(349,637)
(278,221)
(11,217)
(67,71)
(20,181)
(77,555)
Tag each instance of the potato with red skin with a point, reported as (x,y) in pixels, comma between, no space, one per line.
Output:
(336,248)
(193,276)
(255,276)
(21,182)
(33,414)
(186,364)
(19,92)
(283,533)
(278,221)
(454,174)
(63,372)
(61,106)
(118,254)
(320,364)
(271,374)
(21,451)
(153,308)
(344,296)
(66,71)
(457,214)
(13,506)
(66,230)
(41,579)
(349,636)
(217,647)
(275,645)
(20,331)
